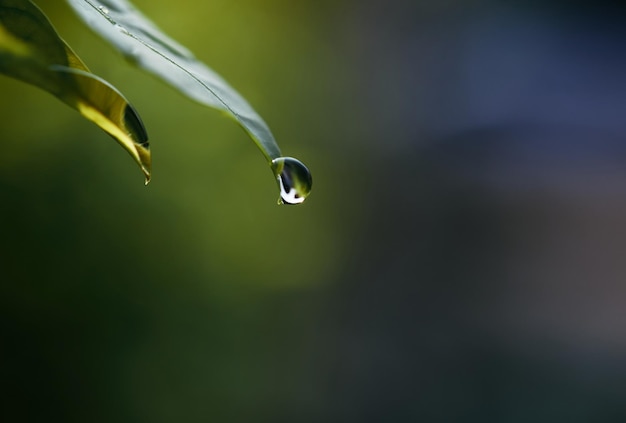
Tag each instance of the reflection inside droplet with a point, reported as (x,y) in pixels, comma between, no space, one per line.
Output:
(294,180)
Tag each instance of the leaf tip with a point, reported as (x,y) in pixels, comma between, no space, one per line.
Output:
(145,165)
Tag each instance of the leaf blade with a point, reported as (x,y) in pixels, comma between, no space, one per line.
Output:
(33,52)
(144,44)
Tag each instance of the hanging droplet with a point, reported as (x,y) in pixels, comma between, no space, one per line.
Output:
(103,10)
(294,180)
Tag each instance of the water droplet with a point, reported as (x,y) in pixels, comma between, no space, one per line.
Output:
(294,180)
(103,10)
(121,29)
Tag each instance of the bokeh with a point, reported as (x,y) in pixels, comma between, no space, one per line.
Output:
(462,257)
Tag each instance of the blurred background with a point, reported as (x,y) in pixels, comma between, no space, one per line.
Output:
(461,257)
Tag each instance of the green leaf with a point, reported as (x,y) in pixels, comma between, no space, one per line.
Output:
(32,51)
(145,45)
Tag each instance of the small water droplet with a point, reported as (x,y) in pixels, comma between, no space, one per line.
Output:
(121,29)
(294,180)
(103,10)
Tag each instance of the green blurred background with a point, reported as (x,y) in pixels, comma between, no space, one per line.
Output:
(461,257)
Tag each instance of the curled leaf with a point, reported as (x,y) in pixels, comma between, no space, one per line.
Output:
(100,102)
(32,51)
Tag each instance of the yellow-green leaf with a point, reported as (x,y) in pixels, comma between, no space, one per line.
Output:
(32,51)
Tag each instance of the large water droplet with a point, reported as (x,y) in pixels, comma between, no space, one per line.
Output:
(103,10)
(294,180)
